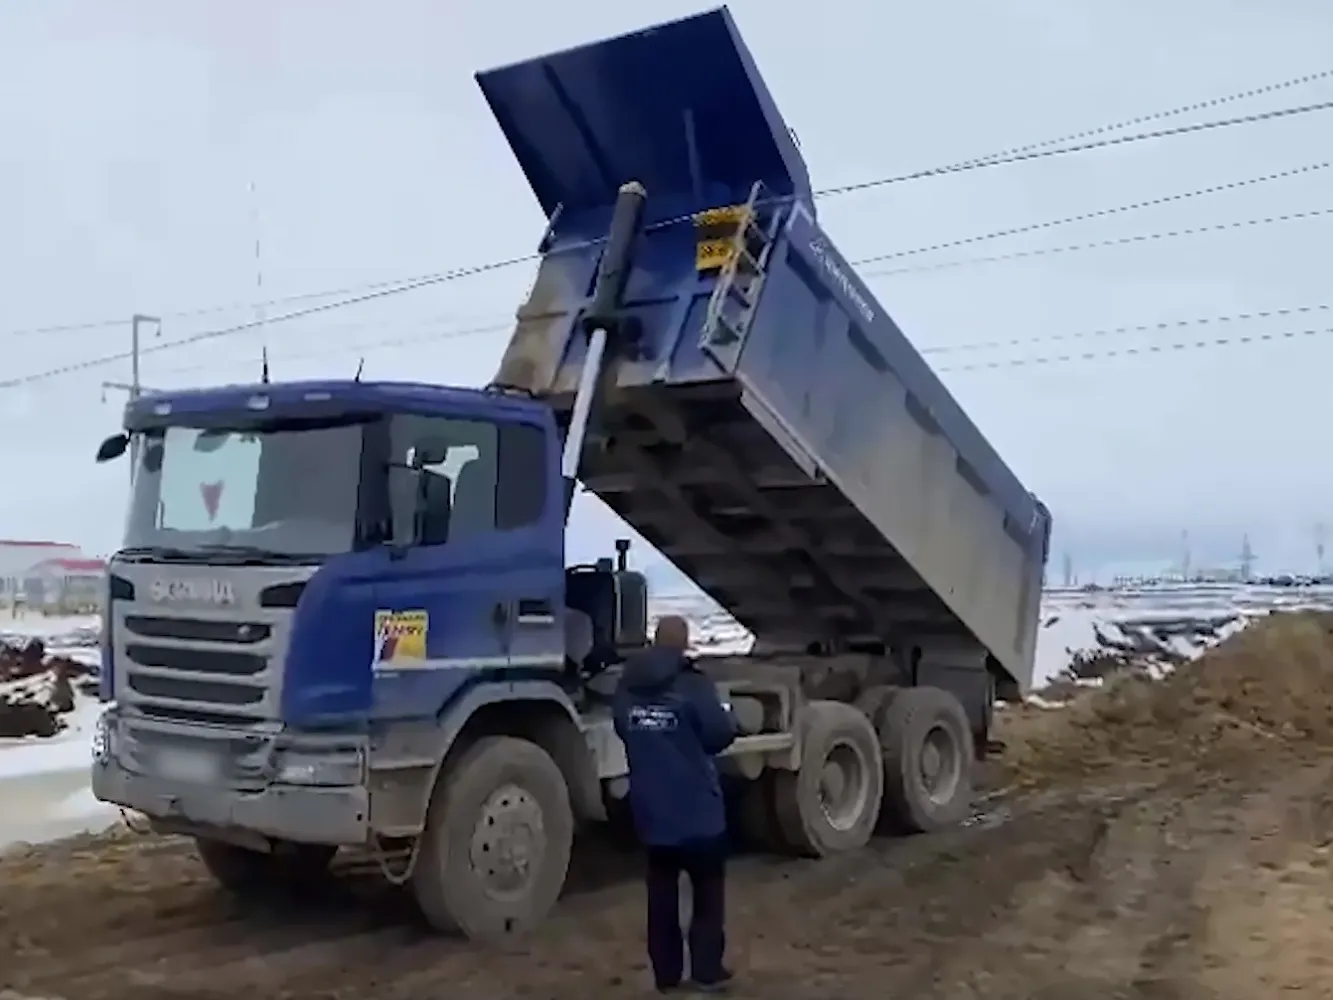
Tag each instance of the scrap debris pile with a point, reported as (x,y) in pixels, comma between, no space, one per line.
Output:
(36,689)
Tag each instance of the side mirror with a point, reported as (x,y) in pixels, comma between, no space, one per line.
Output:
(113,447)
(631,588)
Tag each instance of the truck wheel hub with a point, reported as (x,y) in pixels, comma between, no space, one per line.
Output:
(844,787)
(941,766)
(509,839)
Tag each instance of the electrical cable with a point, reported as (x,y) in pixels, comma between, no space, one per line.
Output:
(1080,148)
(1017,155)
(1099,213)
(99,361)
(434,336)
(1097,244)
(1175,324)
(196,338)
(1145,350)
(1184,109)
(1119,331)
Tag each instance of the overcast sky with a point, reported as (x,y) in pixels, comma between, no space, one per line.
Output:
(134,131)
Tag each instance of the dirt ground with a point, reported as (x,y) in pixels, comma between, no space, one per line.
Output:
(1167,840)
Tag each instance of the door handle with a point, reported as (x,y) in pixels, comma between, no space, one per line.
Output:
(535,611)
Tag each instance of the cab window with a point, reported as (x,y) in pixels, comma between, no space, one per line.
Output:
(481,476)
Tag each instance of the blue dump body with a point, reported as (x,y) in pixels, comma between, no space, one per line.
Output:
(772,431)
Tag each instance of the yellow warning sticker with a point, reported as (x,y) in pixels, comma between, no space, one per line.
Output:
(729,215)
(715,236)
(400,638)
(712,255)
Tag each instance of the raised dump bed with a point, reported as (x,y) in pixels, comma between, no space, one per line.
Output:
(772,432)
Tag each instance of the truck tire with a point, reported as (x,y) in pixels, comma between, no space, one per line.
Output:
(495,851)
(928,758)
(256,874)
(832,802)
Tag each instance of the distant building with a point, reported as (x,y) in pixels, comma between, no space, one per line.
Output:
(65,586)
(48,574)
(18,557)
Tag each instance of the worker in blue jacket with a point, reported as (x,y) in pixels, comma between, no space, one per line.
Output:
(672,722)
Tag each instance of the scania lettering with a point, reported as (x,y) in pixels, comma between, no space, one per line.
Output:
(342,617)
(198,591)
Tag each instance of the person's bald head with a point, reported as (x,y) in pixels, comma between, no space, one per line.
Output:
(673,632)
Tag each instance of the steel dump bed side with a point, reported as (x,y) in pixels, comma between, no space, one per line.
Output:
(772,432)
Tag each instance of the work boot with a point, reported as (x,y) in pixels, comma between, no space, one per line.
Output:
(719,985)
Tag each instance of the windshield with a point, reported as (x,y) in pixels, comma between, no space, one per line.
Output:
(283,491)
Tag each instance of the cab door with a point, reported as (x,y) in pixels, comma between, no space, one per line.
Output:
(466,602)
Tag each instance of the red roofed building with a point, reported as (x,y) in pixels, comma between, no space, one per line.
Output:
(66,585)
(54,568)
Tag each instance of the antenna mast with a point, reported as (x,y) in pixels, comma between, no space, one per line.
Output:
(260,312)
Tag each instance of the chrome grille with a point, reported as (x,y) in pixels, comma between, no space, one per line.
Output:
(197,669)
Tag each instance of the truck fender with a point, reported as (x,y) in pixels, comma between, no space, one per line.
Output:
(406,764)
(548,718)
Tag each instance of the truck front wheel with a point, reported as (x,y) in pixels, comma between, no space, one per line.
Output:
(495,851)
(255,874)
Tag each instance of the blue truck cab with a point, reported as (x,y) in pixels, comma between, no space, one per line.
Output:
(342,616)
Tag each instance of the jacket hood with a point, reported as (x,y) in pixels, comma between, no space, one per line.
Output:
(653,669)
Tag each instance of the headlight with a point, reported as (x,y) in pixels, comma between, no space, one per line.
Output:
(347,768)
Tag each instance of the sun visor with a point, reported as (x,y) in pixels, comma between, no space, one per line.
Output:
(679,107)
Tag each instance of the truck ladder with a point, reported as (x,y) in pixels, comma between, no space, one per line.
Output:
(731,307)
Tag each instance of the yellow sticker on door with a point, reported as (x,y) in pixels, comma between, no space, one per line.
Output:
(400,638)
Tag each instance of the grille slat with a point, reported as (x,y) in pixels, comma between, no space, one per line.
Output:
(197,630)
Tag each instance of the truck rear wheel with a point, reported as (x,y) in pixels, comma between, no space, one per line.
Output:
(248,873)
(831,803)
(495,851)
(928,756)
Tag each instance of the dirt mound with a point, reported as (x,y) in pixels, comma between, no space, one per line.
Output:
(36,689)
(1269,686)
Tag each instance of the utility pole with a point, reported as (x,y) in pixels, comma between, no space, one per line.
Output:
(134,388)
(1319,548)
(1246,560)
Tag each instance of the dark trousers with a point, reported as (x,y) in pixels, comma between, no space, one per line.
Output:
(705,866)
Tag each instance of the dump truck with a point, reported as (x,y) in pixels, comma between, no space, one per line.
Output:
(342,618)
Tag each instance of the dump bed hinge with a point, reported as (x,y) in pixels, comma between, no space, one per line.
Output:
(731,307)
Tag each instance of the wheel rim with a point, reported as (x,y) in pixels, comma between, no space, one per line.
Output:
(508,841)
(844,786)
(941,766)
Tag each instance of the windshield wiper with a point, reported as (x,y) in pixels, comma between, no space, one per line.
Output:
(233,555)
(157,553)
(255,555)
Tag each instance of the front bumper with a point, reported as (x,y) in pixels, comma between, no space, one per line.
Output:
(284,812)
(305,813)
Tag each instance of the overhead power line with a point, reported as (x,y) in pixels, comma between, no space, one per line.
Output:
(435,336)
(1100,213)
(1016,155)
(240,328)
(1119,331)
(366,347)
(1146,350)
(1099,244)
(169,345)
(1184,109)
(1084,147)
